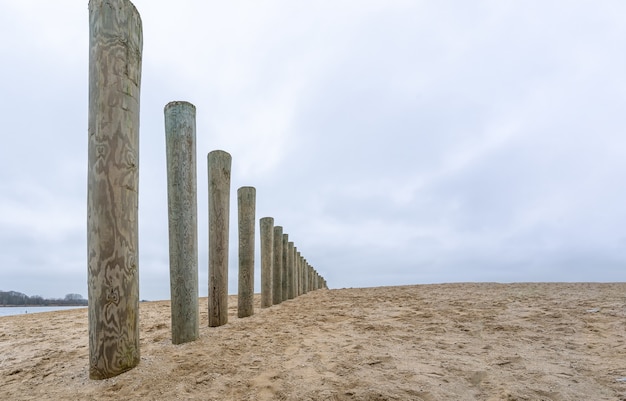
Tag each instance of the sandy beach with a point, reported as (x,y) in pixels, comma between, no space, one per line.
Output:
(422,342)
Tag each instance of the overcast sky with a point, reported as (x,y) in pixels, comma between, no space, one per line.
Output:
(397,142)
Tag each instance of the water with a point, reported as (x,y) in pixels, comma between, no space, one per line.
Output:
(19,310)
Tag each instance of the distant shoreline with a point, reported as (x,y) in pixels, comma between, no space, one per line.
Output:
(18,310)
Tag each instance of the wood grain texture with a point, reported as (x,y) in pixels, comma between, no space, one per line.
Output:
(246,200)
(115,47)
(266,231)
(180,141)
(219,171)
(277,268)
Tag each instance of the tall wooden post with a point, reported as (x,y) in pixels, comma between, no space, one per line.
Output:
(219,165)
(305,284)
(296,272)
(285,264)
(115,47)
(277,270)
(296,264)
(290,265)
(301,274)
(266,226)
(180,141)
(246,198)
(304,269)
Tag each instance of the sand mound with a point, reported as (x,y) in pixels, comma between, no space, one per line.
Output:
(427,342)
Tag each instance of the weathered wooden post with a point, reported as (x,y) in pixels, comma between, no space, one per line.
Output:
(304,270)
(115,48)
(266,227)
(285,265)
(290,268)
(219,165)
(301,274)
(277,273)
(296,266)
(180,135)
(295,271)
(305,275)
(246,198)
(296,262)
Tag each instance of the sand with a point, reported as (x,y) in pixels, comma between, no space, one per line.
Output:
(424,342)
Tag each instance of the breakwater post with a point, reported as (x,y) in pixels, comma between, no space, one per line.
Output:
(285,264)
(246,198)
(180,135)
(266,227)
(301,274)
(277,268)
(115,52)
(290,270)
(297,275)
(219,168)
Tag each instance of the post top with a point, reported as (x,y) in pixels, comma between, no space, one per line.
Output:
(179,103)
(219,154)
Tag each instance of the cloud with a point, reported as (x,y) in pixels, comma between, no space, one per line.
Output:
(396,142)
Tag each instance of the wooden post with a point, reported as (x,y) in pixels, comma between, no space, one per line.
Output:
(219,165)
(290,268)
(306,276)
(302,270)
(295,271)
(277,273)
(294,267)
(180,135)
(266,227)
(246,198)
(115,46)
(298,266)
(285,265)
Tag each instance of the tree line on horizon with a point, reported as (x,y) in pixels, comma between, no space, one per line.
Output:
(14,298)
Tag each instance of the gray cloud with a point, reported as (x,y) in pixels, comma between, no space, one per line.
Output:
(397,142)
